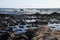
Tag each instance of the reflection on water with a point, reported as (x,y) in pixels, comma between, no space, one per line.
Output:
(54,26)
(22,28)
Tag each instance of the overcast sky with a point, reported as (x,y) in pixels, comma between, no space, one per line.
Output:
(29,3)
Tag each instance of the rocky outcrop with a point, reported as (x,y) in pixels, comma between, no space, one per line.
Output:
(46,33)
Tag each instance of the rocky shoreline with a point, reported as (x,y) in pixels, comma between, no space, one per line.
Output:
(37,30)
